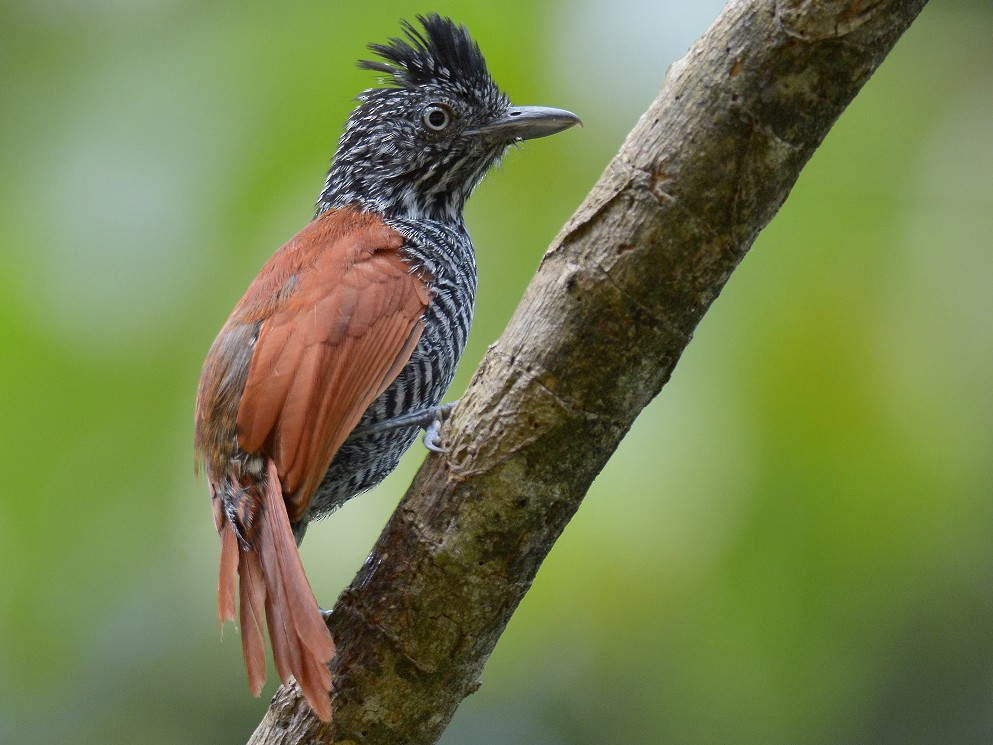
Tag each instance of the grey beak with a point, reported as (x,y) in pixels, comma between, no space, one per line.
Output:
(527,123)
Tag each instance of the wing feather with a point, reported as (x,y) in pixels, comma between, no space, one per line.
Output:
(347,318)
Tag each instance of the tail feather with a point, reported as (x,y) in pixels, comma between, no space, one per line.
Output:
(253,602)
(307,619)
(279,614)
(315,677)
(274,584)
(228,575)
(301,643)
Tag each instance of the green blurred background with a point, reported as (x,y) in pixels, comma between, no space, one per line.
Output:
(792,545)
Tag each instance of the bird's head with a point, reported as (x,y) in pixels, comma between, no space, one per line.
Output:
(420,144)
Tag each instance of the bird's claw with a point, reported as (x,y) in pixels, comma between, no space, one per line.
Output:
(432,433)
(432,437)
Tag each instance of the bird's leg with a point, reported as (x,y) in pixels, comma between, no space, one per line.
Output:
(429,419)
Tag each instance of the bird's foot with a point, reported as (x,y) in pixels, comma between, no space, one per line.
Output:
(432,433)
(429,419)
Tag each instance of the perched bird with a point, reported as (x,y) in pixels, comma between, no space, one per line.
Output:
(343,345)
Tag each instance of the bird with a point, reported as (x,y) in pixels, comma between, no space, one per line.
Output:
(342,347)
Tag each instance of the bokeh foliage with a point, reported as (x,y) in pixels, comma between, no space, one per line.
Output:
(792,545)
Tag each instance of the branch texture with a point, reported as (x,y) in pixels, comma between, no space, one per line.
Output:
(595,338)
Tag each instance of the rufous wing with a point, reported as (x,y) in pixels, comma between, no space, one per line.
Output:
(346,316)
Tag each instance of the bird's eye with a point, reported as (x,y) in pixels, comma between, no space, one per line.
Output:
(437,117)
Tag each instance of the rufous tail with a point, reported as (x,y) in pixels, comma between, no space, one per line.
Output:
(273,585)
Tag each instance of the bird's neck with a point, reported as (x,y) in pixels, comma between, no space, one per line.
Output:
(411,195)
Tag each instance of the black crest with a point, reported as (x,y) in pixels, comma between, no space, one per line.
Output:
(443,53)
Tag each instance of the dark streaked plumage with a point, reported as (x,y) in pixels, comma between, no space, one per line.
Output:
(388,160)
(360,318)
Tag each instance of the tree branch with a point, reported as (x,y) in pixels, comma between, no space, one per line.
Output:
(595,338)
